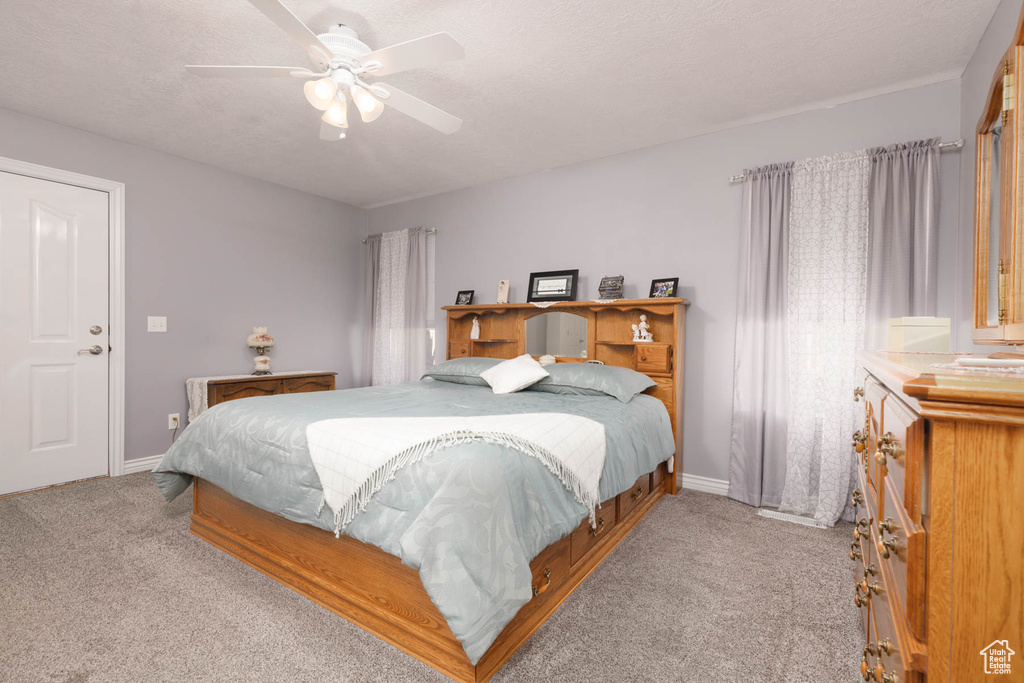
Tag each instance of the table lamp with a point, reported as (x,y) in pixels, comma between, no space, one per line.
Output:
(261,341)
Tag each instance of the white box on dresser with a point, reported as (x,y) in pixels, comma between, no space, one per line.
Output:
(939,544)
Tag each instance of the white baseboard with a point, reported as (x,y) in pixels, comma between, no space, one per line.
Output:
(141,464)
(719,487)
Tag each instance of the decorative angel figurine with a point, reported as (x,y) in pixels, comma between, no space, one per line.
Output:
(645,330)
(475,332)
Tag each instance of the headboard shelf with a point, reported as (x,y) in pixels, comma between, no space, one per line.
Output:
(609,339)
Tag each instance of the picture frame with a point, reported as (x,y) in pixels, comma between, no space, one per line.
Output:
(502,292)
(464,297)
(553,285)
(664,288)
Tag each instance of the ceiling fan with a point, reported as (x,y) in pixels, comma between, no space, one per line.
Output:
(343,63)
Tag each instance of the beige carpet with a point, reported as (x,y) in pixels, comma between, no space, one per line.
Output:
(101,581)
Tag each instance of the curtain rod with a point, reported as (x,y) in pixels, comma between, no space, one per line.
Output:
(429,231)
(956,144)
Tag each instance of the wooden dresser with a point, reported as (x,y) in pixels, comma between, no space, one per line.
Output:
(939,542)
(221,390)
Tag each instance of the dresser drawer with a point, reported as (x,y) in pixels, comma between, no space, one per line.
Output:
(900,545)
(458,349)
(639,491)
(584,537)
(653,358)
(900,454)
(219,393)
(659,475)
(302,385)
(551,566)
(885,655)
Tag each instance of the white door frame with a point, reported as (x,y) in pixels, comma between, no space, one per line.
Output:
(115,245)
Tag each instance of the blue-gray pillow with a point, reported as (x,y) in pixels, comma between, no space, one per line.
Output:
(462,370)
(590,379)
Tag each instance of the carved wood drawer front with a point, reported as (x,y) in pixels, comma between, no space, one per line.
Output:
(458,349)
(584,537)
(885,655)
(219,393)
(874,396)
(551,566)
(639,491)
(653,358)
(301,385)
(900,454)
(658,476)
(900,545)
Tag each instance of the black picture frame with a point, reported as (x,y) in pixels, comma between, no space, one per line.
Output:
(464,297)
(664,288)
(553,285)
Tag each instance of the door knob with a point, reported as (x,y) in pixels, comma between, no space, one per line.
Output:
(95,329)
(95,350)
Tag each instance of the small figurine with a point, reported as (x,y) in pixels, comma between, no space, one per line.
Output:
(475,332)
(636,333)
(645,334)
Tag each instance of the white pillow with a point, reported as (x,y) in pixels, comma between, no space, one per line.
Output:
(512,375)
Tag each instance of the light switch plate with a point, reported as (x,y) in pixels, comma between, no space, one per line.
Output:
(157,323)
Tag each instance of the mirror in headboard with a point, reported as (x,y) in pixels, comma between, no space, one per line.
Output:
(558,334)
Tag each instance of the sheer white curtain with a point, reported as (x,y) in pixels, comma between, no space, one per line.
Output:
(397,344)
(827,292)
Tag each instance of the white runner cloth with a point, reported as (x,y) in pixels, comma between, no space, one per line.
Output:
(356,457)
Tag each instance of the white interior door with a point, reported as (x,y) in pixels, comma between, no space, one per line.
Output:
(54,293)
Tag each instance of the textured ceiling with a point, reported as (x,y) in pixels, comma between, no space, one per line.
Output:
(544,83)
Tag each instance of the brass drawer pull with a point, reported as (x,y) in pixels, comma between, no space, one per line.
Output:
(858,497)
(887,446)
(885,645)
(855,553)
(537,590)
(861,529)
(858,440)
(875,588)
(643,357)
(596,531)
(888,525)
(858,393)
(886,546)
(637,493)
(887,677)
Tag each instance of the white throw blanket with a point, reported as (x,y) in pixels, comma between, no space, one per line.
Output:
(356,457)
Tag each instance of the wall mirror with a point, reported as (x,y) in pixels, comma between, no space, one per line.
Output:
(998,229)
(559,334)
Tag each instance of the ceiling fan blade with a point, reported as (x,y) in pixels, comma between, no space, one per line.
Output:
(293,26)
(329,132)
(413,54)
(416,108)
(249,71)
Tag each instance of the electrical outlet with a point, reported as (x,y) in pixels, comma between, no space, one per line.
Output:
(156,323)
(173,420)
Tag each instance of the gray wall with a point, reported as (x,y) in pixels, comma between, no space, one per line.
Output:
(217,253)
(974,84)
(661,212)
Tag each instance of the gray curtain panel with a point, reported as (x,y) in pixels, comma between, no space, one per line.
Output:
(757,454)
(371,270)
(903,235)
(417,338)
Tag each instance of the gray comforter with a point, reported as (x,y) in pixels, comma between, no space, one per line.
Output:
(469,518)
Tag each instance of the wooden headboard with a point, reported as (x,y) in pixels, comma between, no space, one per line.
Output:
(609,339)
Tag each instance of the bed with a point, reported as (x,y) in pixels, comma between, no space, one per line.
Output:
(461,557)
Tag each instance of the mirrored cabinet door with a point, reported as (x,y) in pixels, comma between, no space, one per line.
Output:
(998,293)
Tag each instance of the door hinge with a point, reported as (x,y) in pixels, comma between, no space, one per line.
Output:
(1002,293)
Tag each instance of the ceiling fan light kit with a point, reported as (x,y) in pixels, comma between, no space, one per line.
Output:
(342,61)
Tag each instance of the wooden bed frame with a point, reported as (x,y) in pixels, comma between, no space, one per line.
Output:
(375,591)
